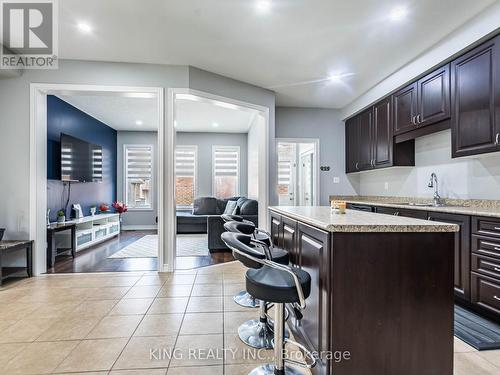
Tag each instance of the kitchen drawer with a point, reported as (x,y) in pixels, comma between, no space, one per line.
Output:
(485,292)
(486,246)
(387,211)
(486,266)
(486,226)
(417,214)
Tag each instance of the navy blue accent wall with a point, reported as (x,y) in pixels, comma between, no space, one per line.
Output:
(64,118)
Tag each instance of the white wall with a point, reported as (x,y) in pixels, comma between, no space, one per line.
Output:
(205,141)
(463,178)
(137,219)
(326,125)
(483,24)
(253,156)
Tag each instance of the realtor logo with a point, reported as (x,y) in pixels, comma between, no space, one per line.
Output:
(28,34)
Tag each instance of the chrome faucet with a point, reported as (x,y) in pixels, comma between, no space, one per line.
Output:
(433,183)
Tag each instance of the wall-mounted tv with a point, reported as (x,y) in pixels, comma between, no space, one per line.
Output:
(80,161)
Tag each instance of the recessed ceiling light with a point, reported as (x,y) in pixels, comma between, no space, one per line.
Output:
(398,13)
(334,78)
(139,122)
(215,125)
(263,6)
(84,27)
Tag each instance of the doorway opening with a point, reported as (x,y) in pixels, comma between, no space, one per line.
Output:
(220,166)
(297,166)
(95,149)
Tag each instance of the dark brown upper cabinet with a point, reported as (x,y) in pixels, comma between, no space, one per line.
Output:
(370,141)
(351,142)
(365,145)
(382,134)
(475,90)
(405,109)
(422,103)
(434,97)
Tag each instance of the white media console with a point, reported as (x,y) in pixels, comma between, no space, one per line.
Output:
(91,230)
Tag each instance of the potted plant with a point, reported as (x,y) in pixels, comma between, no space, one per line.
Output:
(61,216)
(120,207)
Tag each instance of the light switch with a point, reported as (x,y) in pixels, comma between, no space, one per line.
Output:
(386,186)
(336,180)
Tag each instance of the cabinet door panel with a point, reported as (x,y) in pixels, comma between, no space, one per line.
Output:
(365,139)
(276,229)
(351,141)
(382,133)
(434,96)
(404,104)
(314,254)
(462,251)
(474,82)
(290,240)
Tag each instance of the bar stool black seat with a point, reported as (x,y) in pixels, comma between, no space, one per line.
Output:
(277,283)
(258,233)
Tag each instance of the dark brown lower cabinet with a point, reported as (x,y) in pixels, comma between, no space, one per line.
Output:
(276,229)
(462,251)
(313,247)
(380,303)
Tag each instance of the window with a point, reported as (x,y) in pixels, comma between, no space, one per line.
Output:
(185,175)
(138,176)
(226,171)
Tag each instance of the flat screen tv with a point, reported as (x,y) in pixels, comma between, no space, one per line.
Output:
(80,161)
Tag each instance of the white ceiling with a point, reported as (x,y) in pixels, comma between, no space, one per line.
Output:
(295,41)
(200,116)
(118,111)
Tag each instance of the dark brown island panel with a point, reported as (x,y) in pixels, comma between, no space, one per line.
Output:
(382,290)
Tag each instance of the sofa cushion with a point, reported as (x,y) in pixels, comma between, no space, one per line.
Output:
(205,206)
(249,207)
(231,207)
(221,205)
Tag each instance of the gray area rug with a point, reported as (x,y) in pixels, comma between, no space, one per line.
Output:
(144,247)
(192,245)
(478,332)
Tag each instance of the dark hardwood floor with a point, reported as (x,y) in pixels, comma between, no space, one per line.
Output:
(95,258)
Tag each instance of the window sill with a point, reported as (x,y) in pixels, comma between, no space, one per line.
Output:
(140,210)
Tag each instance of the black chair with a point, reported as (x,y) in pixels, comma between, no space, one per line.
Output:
(242,298)
(258,333)
(270,281)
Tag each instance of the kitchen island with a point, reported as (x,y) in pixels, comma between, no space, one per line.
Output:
(381,298)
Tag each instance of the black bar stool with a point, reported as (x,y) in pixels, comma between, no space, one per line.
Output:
(270,281)
(258,333)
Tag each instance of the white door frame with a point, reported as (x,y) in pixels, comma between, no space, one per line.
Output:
(171,222)
(38,161)
(316,161)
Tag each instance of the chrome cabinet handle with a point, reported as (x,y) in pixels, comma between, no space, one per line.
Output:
(396,213)
(497,139)
(413,121)
(419,119)
(357,165)
(497,298)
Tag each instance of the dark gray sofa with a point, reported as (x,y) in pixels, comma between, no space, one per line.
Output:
(206,217)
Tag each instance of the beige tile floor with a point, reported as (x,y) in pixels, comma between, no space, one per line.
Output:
(108,323)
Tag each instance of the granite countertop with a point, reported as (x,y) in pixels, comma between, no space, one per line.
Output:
(486,208)
(322,217)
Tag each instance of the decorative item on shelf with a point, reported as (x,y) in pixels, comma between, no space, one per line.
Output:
(61,216)
(120,207)
(77,211)
(104,207)
(93,210)
(48,217)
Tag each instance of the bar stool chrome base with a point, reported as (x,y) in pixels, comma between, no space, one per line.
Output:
(268,369)
(256,334)
(244,299)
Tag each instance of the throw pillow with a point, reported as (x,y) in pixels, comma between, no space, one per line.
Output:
(230,207)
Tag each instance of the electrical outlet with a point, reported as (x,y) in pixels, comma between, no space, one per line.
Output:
(336,180)
(386,186)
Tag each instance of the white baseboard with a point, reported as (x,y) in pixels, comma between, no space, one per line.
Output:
(139,227)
